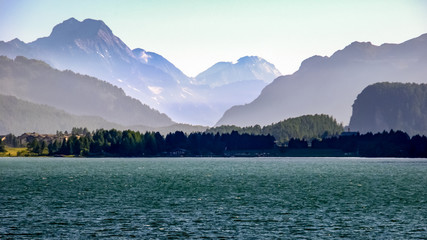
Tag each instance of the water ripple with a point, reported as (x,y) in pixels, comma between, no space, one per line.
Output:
(213,198)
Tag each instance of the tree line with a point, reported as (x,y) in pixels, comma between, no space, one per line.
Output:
(115,143)
(2,146)
(384,144)
(130,143)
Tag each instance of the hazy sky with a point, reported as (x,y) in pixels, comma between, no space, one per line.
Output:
(195,34)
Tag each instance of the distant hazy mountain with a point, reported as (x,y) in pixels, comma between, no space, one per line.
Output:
(223,85)
(329,85)
(19,116)
(90,47)
(246,68)
(386,106)
(214,101)
(37,82)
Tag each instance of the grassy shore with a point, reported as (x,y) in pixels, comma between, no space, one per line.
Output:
(15,152)
(19,152)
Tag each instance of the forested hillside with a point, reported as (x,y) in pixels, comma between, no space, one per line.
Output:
(305,127)
(386,106)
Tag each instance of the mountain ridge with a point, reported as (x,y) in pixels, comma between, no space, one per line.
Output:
(329,85)
(23,116)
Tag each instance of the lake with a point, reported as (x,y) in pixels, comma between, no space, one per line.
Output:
(241,198)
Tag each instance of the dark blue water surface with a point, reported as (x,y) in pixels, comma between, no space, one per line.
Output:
(242,198)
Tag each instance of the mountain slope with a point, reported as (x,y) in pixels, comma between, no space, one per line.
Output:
(19,116)
(37,82)
(329,85)
(386,106)
(156,60)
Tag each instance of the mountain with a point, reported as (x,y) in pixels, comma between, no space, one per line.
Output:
(246,68)
(19,116)
(386,106)
(89,47)
(329,85)
(37,82)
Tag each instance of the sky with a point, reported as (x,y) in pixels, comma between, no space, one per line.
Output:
(195,34)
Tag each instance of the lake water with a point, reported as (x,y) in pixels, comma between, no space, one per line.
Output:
(241,198)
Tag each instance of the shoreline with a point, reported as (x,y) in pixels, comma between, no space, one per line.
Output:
(300,153)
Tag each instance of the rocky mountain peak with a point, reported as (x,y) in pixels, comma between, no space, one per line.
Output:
(246,68)
(16,43)
(72,29)
(141,54)
(356,50)
(250,59)
(315,61)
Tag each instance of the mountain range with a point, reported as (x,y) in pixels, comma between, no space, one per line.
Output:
(89,47)
(143,90)
(37,82)
(22,116)
(329,85)
(34,97)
